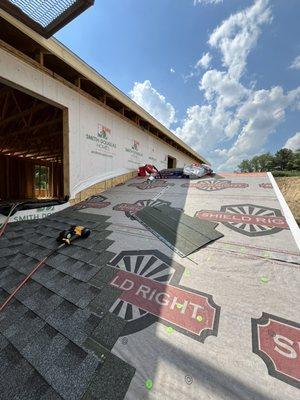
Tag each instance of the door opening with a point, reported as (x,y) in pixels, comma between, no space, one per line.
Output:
(171,162)
(31,147)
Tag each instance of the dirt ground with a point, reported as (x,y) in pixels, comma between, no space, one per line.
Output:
(290,188)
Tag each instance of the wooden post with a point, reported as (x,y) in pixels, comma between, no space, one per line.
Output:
(66,161)
(78,82)
(39,57)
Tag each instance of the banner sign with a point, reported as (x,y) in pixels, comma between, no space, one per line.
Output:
(277,342)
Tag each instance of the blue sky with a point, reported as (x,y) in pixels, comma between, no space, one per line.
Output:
(223,75)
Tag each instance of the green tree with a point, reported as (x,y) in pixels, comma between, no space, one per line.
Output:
(266,162)
(296,161)
(283,159)
(245,166)
(255,163)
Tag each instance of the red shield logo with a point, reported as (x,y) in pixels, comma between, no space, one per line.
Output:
(96,201)
(277,342)
(151,292)
(247,219)
(158,183)
(211,185)
(265,185)
(130,208)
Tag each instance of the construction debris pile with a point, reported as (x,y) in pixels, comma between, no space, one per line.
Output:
(193,171)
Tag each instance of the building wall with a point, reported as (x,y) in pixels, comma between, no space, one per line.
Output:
(101,145)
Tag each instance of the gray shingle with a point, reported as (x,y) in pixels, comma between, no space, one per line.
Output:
(35,251)
(35,387)
(9,251)
(103,302)
(109,330)
(10,278)
(27,290)
(105,275)
(79,293)
(111,380)
(102,245)
(76,269)
(64,365)
(58,281)
(73,323)
(11,313)
(78,253)
(43,302)
(45,274)
(22,330)
(103,258)
(23,263)
(15,373)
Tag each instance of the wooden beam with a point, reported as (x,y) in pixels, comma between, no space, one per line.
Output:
(31,128)
(18,107)
(24,113)
(5,90)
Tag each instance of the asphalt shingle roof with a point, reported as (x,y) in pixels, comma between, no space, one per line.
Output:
(56,335)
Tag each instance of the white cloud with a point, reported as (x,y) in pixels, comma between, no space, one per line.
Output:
(237,36)
(172,70)
(222,88)
(152,101)
(204,61)
(207,2)
(293,142)
(235,121)
(259,115)
(296,63)
(233,112)
(203,127)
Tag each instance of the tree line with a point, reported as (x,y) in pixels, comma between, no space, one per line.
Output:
(283,160)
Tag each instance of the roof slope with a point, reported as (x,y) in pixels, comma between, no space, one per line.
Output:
(56,335)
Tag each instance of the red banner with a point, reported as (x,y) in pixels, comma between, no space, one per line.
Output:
(277,342)
(127,207)
(219,216)
(186,309)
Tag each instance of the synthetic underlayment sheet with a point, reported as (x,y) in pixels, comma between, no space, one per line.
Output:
(184,233)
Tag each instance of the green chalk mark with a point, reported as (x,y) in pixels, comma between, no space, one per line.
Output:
(243,250)
(265,254)
(199,318)
(149,384)
(264,279)
(187,272)
(170,330)
(178,305)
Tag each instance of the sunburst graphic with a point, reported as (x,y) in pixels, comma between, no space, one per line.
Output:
(211,185)
(150,264)
(151,185)
(148,203)
(266,185)
(251,229)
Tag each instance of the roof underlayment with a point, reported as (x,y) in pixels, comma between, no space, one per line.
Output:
(120,315)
